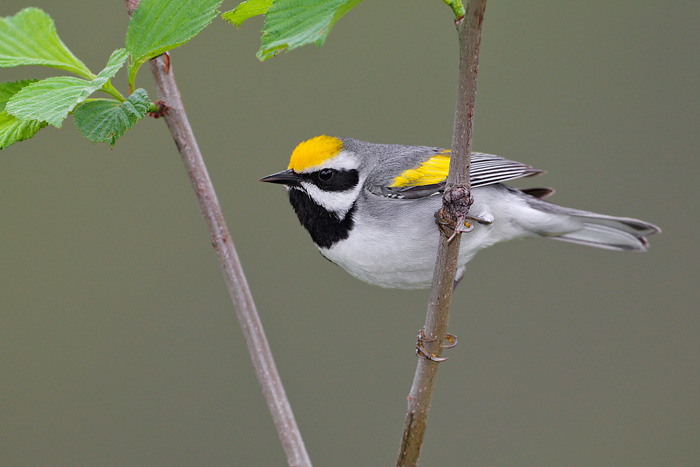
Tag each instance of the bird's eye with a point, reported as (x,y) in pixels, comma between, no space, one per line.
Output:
(326,174)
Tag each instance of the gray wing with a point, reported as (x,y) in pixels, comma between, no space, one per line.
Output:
(486,169)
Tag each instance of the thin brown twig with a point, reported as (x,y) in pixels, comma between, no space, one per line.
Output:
(456,202)
(261,355)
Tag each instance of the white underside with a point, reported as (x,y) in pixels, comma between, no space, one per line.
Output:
(403,255)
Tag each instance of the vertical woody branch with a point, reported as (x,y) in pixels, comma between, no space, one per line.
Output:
(175,117)
(456,202)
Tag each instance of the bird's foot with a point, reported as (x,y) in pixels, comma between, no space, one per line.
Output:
(422,352)
(450,228)
(462,225)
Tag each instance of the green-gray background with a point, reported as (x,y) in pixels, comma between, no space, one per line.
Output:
(118,342)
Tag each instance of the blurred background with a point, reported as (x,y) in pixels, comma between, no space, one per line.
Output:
(118,341)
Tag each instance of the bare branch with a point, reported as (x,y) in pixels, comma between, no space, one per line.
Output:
(456,202)
(261,355)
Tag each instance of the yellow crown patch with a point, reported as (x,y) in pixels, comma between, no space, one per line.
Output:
(433,170)
(313,152)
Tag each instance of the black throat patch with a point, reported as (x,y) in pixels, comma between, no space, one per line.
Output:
(324,226)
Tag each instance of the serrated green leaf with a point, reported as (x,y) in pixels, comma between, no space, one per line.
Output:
(52,99)
(49,100)
(292,23)
(105,121)
(114,64)
(30,38)
(246,10)
(161,25)
(9,89)
(11,129)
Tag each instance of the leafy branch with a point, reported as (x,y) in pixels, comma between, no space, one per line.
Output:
(30,38)
(183,135)
(157,26)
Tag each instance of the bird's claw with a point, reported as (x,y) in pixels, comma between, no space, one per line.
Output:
(451,341)
(480,220)
(462,225)
(422,352)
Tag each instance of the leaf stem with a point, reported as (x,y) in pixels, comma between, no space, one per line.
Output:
(94,99)
(457,7)
(456,199)
(112,91)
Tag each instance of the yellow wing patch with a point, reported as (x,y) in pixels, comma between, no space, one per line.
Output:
(433,170)
(315,151)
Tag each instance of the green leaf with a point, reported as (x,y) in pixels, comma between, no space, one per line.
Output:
(49,100)
(52,99)
(11,129)
(246,10)
(30,38)
(293,23)
(105,121)
(161,25)
(8,90)
(114,64)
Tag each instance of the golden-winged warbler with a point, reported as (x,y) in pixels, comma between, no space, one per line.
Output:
(370,208)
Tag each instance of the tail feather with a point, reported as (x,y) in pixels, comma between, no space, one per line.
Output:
(599,230)
(606,236)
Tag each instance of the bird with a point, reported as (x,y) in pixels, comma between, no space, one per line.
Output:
(370,208)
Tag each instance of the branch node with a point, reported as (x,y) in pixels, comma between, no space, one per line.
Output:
(456,203)
(161,109)
(453,217)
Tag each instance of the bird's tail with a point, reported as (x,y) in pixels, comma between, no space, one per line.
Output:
(598,230)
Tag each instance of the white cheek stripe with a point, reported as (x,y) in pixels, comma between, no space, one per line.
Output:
(338,202)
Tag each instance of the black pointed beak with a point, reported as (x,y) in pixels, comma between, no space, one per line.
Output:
(286,177)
